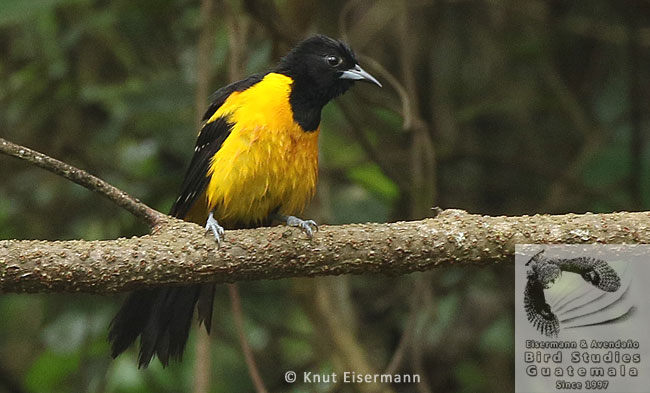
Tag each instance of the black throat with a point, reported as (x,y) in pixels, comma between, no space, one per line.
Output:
(307,102)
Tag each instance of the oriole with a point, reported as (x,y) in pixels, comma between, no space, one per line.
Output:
(255,160)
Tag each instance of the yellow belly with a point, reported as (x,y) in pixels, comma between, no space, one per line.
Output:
(267,162)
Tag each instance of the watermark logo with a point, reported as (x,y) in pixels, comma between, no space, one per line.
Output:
(544,272)
(582,320)
(349,377)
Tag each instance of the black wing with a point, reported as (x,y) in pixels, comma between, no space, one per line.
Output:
(539,313)
(210,139)
(593,270)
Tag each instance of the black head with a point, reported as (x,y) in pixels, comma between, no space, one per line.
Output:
(327,64)
(322,68)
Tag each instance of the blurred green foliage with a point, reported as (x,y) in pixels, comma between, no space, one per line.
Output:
(500,107)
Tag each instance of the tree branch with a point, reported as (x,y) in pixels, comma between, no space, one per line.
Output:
(152,217)
(249,358)
(179,252)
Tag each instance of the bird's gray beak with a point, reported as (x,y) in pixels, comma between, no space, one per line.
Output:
(359,74)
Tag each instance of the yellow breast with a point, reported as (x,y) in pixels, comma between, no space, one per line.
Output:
(267,162)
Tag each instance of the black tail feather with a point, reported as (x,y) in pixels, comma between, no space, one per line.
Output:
(130,320)
(206,298)
(162,318)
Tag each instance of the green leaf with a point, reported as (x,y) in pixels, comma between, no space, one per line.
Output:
(50,372)
(374,180)
(16,11)
(498,336)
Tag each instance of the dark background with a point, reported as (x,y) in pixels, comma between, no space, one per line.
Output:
(501,107)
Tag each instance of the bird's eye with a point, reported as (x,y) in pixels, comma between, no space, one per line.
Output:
(333,60)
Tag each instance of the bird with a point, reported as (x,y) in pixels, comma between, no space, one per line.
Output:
(543,274)
(255,162)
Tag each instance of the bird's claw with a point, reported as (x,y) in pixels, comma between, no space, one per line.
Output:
(307,226)
(217,230)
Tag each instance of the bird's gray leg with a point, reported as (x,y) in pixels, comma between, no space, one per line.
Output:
(307,226)
(216,229)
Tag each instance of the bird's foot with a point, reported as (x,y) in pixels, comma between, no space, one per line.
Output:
(217,230)
(307,226)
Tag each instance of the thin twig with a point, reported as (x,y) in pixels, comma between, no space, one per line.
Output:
(522,166)
(248,353)
(205,51)
(422,153)
(384,74)
(373,153)
(635,98)
(594,136)
(378,69)
(152,217)
(409,329)
(237,39)
(267,14)
(345,344)
(357,128)
(343,15)
(417,350)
